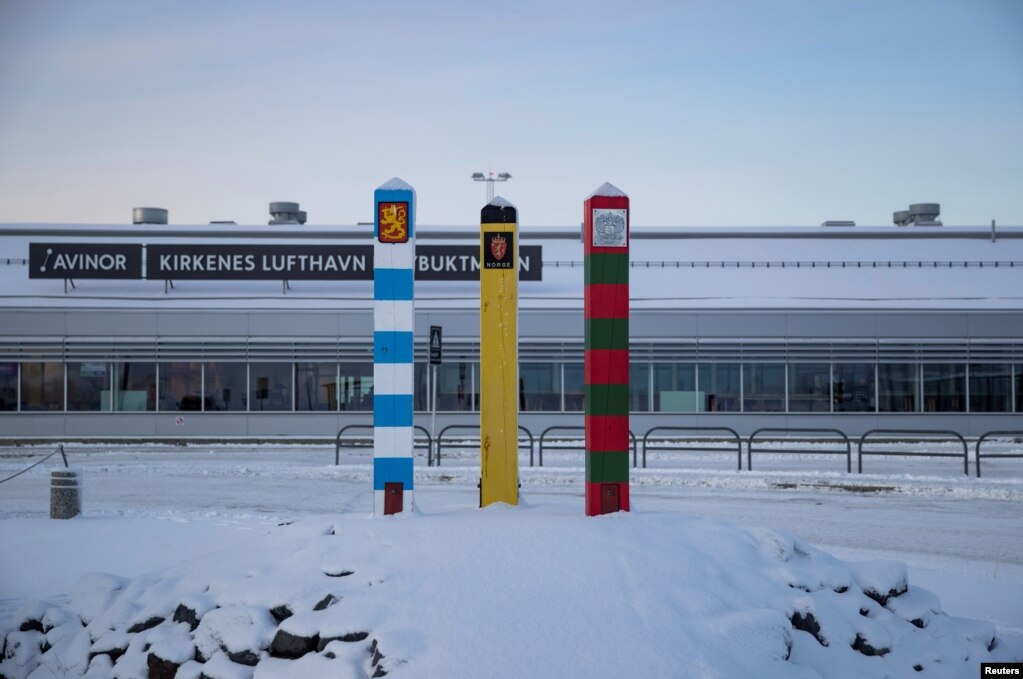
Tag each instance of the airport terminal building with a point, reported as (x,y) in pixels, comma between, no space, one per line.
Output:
(227,331)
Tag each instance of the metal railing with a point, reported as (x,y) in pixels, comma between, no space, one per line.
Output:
(543,436)
(933,436)
(830,436)
(685,446)
(476,428)
(1017,437)
(337,441)
(59,449)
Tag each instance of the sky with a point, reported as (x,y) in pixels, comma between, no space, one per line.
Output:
(735,112)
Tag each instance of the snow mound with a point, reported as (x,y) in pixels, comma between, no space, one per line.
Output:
(505,593)
(395,184)
(608,190)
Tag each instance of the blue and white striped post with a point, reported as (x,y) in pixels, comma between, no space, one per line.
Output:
(394,247)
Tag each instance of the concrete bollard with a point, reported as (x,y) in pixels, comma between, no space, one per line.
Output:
(65,493)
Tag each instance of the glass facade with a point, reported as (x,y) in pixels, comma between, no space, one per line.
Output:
(553,386)
(675,388)
(226,387)
(539,387)
(898,387)
(270,386)
(180,386)
(810,387)
(944,388)
(8,386)
(990,388)
(88,386)
(763,387)
(720,384)
(854,388)
(316,386)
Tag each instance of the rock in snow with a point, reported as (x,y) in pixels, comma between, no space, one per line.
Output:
(505,593)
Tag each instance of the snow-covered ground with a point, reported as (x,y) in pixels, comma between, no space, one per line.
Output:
(200,510)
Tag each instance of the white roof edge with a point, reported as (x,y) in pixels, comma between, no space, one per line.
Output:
(395,184)
(608,190)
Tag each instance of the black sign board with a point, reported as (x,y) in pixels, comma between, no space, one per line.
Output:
(462,262)
(266,262)
(260,262)
(436,345)
(84,260)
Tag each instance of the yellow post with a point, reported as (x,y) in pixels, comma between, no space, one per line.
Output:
(499,353)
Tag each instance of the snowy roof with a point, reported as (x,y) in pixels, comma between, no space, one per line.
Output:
(672,269)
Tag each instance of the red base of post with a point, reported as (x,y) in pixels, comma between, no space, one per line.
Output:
(596,503)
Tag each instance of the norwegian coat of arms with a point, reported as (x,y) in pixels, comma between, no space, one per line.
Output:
(498,249)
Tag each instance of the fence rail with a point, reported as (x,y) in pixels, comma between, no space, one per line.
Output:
(337,441)
(903,437)
(58,449)
(826,436)
(582,446)
(476,428)
(682,445)
(1017,437)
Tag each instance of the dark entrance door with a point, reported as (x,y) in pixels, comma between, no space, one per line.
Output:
(393,498)
(609,498)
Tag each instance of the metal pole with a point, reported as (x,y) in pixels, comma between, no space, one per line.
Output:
(433,405)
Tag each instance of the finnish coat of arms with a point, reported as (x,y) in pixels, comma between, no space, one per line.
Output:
(393,223)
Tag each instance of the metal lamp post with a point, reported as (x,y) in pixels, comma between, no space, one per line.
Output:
(480,177)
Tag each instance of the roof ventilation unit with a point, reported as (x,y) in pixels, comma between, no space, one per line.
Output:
(148,215)
(918,214)
(839,222)
(925,214)
(284,212)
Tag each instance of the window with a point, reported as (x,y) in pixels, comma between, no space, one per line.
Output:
(88,386)
(990,388)
(355,387)
(421,394)
(1018,379)
(763,387)
(539,386)
(854,387)
(719,383)
(675,388)
(574,382)
(316,386)
(944,388)
(134,386)
(454,386)
(810,388)
(270,386)
(639,387)
(180,386)
(8,386)
(226,387)
(42,386)
(898,386)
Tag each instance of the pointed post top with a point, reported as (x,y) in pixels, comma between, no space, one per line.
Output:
(498,211)
(395,184)
(608,190)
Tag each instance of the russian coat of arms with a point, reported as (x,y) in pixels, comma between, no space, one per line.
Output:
(609,228)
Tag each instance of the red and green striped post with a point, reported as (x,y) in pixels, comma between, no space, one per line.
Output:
(606,372)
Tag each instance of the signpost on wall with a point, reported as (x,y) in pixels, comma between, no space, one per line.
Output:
(394,243)
(499,368)
(606,362)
